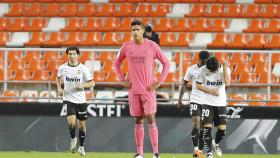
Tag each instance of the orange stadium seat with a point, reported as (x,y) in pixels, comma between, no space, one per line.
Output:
(22,75)
(263,78)
(208,1)
(218,25)
(111,38)
(106,56)
(216,10)
(45,1)
(233,11)
(4,37)
(172,77)
(252,11)
(111,77)
(92,24)
(117,1)
(14,55)
(106,9)
(167,39)
(17,64)
(53,75)
(125,24)
(68,10)
(198,10)
(99,76)
(127,37)
(273,26)
(27,1)
(176,1)
(110,24)
(227,1)
(259,98)
(248,78)
(258,57)
(243,67)
(18,25)
(62,1)
(34,65)
(89,95)
(143,10)
(10,93)
(239,41)
(274,97)
(16,9)
(182,25)
(41,75)
(87,10)
(4,22)
(36,24)
(239,58)
(108,65)
(274,42)
(51,55)
(238,97)
(73,24)
(200,25)
(54,64)
(86,56)
(276,1)
(124,10)
(263,1)
(220,41)
(186,57)
(135,1)
(51,10)
(256,25)
(92,38)
(33,10)
(163,24)
(222,57)
(275,58)
(37,38)
(55,39)
(184,39)
(73,39)
(160,9)
(257,42)
(270,11)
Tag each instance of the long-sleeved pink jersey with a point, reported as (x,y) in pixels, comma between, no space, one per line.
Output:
(141,58)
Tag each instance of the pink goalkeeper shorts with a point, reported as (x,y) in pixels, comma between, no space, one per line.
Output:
(142,104)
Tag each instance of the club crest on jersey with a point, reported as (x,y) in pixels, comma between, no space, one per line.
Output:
(79,72)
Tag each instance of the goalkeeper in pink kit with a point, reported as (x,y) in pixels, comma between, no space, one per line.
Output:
(141,54)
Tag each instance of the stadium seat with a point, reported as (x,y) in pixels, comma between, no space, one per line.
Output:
(111,38)
(87,10)
(182,25)
(107,65)
(273,26)
(36,39)
(200,25)
(50,10)
(220,41)
(86,56)
(240,97)
(124,10)
(22,75)
(274,42)
(259,98)
(168,39)
(270,11)
(34,65)
(263,78)
(233,11)
(36,24)
(92,24)
(73,24)
(48,96)
(92,39)
(17,64)
(10,93)
(99,76)
(257,42)
(263,1)
(127,37)
(41,75)
(125,24)
(54,40)
(218,25)
(275,58)
(4,22)
(53,64)
(247,78)
(274,97)
(51,55)
(33,10)
(239,41)
(28,96)
(256,25)
(239,58)
(4,37)
(252,11)
(68,10)
(16,10)
(172,77)
(187,56)
(243,67)
(198,10)
(222,57)
(160,10)
(106,10)
(110,24)
(111,77)
(73,39)
(143,10)
(216,10)
(106,55)
(163,24)
(14,55)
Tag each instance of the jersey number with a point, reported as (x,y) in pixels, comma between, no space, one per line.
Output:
(193,107)
(205,112)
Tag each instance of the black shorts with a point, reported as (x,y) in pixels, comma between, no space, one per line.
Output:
(80,110)
(214,114)
(195,109)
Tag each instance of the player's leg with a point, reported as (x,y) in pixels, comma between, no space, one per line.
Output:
(207,121)
(220,121)
(71,120)
(136,111)
(150,108)
(82,117)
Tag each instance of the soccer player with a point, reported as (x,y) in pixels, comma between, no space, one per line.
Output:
(195,102)
(76,77)
(212,79)
(141,54)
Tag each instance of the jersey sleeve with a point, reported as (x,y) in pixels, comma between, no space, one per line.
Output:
(117,64)
(60,71)
(188,75)
(87,75)
(164,61)
(200,76)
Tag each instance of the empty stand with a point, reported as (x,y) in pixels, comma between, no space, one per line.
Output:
(10,93)
(220,41)
(239,98)
(36,39)
(259,98)
(28,96)
(87,10)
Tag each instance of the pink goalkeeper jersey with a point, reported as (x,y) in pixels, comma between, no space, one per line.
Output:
(141,58)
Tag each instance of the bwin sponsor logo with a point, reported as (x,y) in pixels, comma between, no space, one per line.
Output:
(73,79)
(216,83)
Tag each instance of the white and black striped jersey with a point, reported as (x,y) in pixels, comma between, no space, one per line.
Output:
(72,77)
(213,80)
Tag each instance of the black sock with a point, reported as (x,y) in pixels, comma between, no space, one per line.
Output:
(72,132)
(220,134)
(82,137)
(195,135)
(207,138)
(201,140)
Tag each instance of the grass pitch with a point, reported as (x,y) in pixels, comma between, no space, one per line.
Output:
(33,154)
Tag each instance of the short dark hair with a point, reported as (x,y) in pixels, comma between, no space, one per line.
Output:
(137,22)
(212,64)
(204,54)
(72,48)
(149,28)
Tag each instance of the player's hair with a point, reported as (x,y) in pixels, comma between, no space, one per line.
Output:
(212,64)
(203,55)
(149,28)
(137,22)
(72,48)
